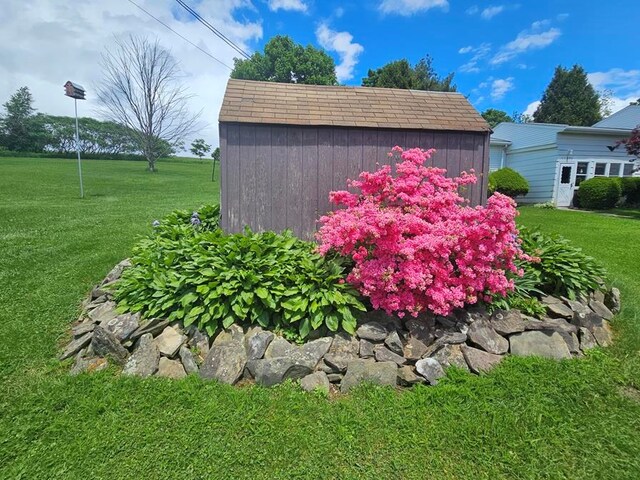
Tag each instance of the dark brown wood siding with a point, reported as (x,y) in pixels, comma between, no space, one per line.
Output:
(276,177)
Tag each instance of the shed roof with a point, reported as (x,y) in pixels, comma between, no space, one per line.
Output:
(248,101)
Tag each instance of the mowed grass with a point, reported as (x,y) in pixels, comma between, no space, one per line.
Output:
(529,418)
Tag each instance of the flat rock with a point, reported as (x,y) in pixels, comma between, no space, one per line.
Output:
(153,326)
(601,309)
(82,328)
(539,343)
(169,341)
(344,343)
(414,349)
(421,329)
(233,334)
(559,310)
(170,369)
(116,272)
(588,320)
(603,334)
(394,343)
(587,340)
(145,358)
(335,377)
(315,381)
(383,354)
(430,369)
(225,362)
(451,355)
(337,362)
(88,365)
(549,299)
(571,339)
(576,306)
(366,349)
(104,312)
(374,331)
(553,324)
(379,373)
(76,345)
(506,322)
(122,326)
(483,335)
(188,360)
(407,376)
(598,295)
(105,343)
(200,342)
(612,300)
(279,347)
(480,361)
(272,371)
(257,343)
(312,352)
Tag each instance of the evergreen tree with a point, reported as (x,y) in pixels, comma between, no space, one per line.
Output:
(400,74)
(18,131)
(494,116)
(569,98)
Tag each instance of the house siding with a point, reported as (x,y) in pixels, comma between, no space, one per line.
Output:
(579,146)
(524,135)
(496,153)
(539,168)
(276,177)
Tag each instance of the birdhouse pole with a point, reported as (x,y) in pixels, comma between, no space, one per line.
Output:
(76,92)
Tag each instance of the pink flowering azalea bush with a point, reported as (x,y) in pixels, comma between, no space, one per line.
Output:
(416,243)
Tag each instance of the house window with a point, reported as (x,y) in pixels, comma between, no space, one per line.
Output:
(614,169)
(601,169)
(565,177)
(628,169)
(581,172)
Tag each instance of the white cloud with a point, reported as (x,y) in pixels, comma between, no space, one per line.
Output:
(465,49)
(532,107)
(479,52)
(624,85)
(531,39)
(500,87)
(472,10)
(60,42)
(342,43)
(290,5)
(411,7)
(490,12)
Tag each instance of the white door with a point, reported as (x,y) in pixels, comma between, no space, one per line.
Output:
(565,185)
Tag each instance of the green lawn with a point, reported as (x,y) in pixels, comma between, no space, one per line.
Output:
(529,418)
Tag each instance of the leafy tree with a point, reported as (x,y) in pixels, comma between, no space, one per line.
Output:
(400,74)
(199,147)
(18,132)
(494,117)
(632,144)
(569,98)
(285,61)
(521,117)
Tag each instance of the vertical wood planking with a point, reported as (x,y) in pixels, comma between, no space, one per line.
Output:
(426,143)
(233,178)
(340,159)
(279,178)
(325,169)
(222,132)
(248,181)
(370,150)
(295,195)
(384,147)
(484,142)
(412,140)
(467,162)
(453,154)
(310,211)
(263,196)
(440,144)
(354,153)
(399,138)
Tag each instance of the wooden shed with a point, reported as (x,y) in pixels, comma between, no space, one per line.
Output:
(284,147)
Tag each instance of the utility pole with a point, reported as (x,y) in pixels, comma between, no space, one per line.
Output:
(76,92)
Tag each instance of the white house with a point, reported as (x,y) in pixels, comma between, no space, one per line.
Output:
(556,158)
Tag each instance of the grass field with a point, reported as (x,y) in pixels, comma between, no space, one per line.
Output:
(529,418)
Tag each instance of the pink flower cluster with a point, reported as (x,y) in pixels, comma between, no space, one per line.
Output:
(415,241)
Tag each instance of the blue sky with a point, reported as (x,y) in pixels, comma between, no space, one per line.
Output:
(503,53)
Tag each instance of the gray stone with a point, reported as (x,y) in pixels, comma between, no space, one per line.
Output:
(383,354)
(145,358)
(312,352)
(169,342)
(559,310)
(338,362)
(233,334)
(414,349)
(506,322)
(153,326)
(105,343)
(407,377)
(421,329)
(188,360)
(601,309)
(549,299)
(394,343)
(379,373)
(588,320)
(571,339)
(344,343)
(366,349)
(116,272)
(587,340)
(480,361)
(225,362)
(553,324)
(481,334)
(451,355)
(279,347)
(170,369)
(315,381)
(82,328)
(576,306)
(430,369)
(88,365)
(612,300)
(199,342)
(539,343)
(122,326)
(335,377)
(373,331)
(76,345)
(272,371)
(97,292)
(257,344)
(603,334)
(104,312)
(453,338)
(598,295)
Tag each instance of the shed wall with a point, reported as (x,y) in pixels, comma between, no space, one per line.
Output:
(276,177)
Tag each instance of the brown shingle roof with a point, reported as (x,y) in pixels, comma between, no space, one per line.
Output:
(249,101)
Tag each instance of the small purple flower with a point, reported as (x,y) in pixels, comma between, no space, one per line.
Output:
(195,221)
(156,223)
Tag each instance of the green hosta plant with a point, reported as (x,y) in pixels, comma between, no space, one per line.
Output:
(213,280)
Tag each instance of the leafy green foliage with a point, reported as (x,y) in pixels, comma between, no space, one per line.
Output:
(199,147)
(569,98)
(599,193)
(400,74)
(199,275)
(631,190)
(285,61)
(18,131)
(494,116)
(508,182)
(561,269)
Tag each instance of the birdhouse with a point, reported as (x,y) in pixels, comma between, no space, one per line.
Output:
(74,90)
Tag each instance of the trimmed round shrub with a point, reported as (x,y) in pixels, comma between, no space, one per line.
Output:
(508,182)
(631,190)
(599,193)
